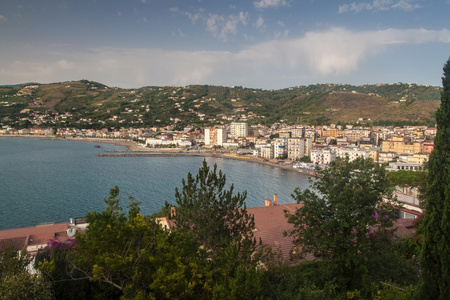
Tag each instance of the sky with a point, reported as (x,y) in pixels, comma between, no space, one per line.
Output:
(266,44)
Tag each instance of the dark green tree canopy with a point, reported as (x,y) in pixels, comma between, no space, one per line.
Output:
(214,214)
(136,257)
(343,216)
(435,255)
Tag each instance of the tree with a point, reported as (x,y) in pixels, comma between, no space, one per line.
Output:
(136,257)
(54,262)
(214,215)
(15,280)
(23,285)
(435,254)
(343,218)
(13,261)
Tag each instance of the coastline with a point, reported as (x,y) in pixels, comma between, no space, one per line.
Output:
(133,147)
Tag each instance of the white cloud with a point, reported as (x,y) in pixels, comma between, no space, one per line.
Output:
(379,5)
(221,26)
(3,18)
(334,52)
(194,17)
(337,50)
(269,3)
(260,24)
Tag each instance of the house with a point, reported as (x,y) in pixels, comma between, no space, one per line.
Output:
(36,237)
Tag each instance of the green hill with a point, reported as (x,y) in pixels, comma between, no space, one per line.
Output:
(87,104)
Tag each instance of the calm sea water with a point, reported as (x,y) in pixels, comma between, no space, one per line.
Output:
(52,181)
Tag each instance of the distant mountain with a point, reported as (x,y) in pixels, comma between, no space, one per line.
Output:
(87,104)
(18,85)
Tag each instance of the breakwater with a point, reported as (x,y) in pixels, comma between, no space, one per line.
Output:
(125,154)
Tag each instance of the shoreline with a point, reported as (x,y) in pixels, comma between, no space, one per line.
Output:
(133,147)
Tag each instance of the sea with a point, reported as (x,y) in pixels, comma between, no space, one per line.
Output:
(45,181)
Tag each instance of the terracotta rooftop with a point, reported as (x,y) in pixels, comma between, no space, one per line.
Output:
(32,236)
(270,225)
(405,227)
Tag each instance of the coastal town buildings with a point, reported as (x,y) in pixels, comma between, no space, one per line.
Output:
(398,145)
(215,136)
(238,129)
(298,148)
(280,148)
(322,144)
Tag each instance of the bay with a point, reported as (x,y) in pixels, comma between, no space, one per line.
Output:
(54,180)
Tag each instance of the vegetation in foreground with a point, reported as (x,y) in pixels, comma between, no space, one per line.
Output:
(435,255)
(126,255)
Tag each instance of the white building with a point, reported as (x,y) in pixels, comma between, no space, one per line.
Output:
(238,129)
(352,152)
(298,132)
(298,148)
(266,152)
(158,142)
(215,136)
(322,156)
(398,166)
(279,147)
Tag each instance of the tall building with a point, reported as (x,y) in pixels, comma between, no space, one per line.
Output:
(238,129)
(298,148)
(298,132)
(279,148)
(215,136)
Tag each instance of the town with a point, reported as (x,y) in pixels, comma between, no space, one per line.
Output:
(399,148)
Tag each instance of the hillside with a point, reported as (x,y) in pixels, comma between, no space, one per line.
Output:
(87,104)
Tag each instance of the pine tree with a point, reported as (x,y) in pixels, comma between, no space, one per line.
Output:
(435,255)
(214,214)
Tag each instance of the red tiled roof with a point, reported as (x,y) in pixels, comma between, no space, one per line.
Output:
(17,242)
(30,236)
(270,225)
(405,227)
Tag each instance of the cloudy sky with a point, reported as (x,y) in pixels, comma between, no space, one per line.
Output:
(268,44)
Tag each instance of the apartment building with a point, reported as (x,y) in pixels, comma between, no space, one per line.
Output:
(400,146)
(215,136)
(298,148)
(322,156)
(351,152)
(333,133)
(279,147)
(238,129)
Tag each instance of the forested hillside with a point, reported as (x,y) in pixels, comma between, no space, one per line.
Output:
(87,104)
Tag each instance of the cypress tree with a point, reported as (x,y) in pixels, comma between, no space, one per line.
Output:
(435,254)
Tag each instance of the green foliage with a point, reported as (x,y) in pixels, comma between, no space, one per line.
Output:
(216,216)
(55,264)
(435,255)
(393,292)
(13,261)
(411,178)
(15,280)
(313,104)
(343,218)
(136,257)
(23,285)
